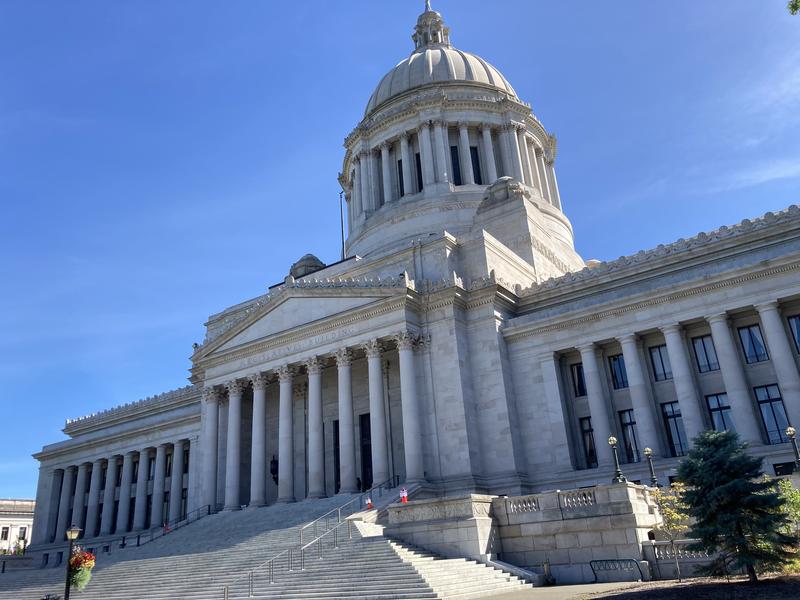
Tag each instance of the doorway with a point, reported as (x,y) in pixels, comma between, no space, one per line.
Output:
(366,451)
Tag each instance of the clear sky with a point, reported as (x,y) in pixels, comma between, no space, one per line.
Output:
(160,161)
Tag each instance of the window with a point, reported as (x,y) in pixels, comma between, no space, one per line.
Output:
(454,159)
(476,165)
(753,344)
(23,533)
(400,178)
(631,447)
(705,354)
(673,422)
(660,360)
(783,469)
(587,436)
(418,160)
(773,413)
(794,326)
(619,377)
(4,534)
(578,382)
(720,411)
(186,460)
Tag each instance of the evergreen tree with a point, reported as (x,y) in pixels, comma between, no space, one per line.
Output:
(736,512)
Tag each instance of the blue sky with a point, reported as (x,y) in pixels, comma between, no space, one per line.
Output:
(160,161)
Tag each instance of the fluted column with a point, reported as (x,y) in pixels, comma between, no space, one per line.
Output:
(556,194)
(356,190)
(377,414)
(386,166)
(234,445)
(598,407)
(442,157)
(685,389)
(412,433)
(258,458)
(347,435)
(426,154)
(80,496)
(530,150)
(140,507)
(513,165)
(363,176)
(641,398)
(93,504)
(316,449)
(159,476)
(745,417)
(467,173)
(124,509)
(782,356)
(210,446)
(285,437)
(542,166)
(522,142)
(67,489)
(488,155)
(107,517)
(405,156)
(176,483)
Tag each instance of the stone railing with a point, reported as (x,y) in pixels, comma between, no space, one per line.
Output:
(663,554)
(577,499)
(522,504)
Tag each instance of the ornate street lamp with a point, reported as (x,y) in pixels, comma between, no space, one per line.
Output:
(648,452)
(72,535)
(791,433)
(618,476)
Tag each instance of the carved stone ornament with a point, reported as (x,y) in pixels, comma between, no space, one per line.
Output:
(259,381)
(373,349)
(235,387)
(285,373)
(211,394)
(343,357)
(313,366)
(405,340)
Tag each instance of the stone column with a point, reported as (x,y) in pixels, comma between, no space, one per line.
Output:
(193,499)
(442,156)
(522,141)
(556,194)
(426,154)
(124,509)
(542,166)
(258,457)
(233,448)
(782,356)
(46,512)
(405,156)
(356,189)
(488,155)
(347,435)
(374,168)
(377,414)
(107,518)
(176,483)
(641,398)
(93,505)
(685,388)
(363,176)
(412,433)
(285,437)
(80,496)
(467,173)
(67,489)
(598,408)
(515,163)
(387,173)
(210,446)
(316,449)
(140,508)
(530,150)
(159,476)
(740,399)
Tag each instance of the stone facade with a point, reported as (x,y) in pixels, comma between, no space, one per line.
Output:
(16,524)
(461,345)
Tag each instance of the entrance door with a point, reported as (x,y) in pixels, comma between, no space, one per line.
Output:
(366,451)
(336,473)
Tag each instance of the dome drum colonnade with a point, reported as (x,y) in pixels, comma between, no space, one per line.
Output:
(232,391)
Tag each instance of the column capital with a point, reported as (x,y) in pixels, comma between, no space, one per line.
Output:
(404,136)
(179,442)
(313,365)
(235,387)
(463,125)
(718,318)
(672,328)
(285,373)
(587,348)
(405,340)
(259,381)
(384,146)
(438,122)
(771,306)
(343,357)
(373,349)
(486,127)
(423,126)
(628,338)
(211,394)
(97,461)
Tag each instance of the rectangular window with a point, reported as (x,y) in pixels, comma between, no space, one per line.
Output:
(794,326)
(753,344)
(720,411)
(400,178)
(4,534)
(418,160)
(705,354)
(23,533)
(456,164)
(587,436)
(773,413)
(630,445)
(673,423)
(619,377)
(578,382)
(660,361)
(476,165)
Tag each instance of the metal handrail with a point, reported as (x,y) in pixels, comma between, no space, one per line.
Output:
(191,517)
(318,541)
(251,573)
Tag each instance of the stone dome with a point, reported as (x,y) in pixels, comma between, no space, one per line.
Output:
(435,61)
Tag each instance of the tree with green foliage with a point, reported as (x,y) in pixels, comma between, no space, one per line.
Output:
(794,6)
(791,507)
(674,516)
(736,512)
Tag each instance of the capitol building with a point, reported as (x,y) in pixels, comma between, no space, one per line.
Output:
(461,346)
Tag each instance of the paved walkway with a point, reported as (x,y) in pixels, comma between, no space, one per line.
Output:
(564,592)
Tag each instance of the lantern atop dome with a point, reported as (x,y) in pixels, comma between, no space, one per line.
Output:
(430,29)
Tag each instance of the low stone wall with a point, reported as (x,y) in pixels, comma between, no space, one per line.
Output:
(10,562)
(571,528)
(662,555)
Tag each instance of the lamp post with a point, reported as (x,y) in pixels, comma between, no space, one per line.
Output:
(648,452)
(72,535)
(618,476)
(791,433)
